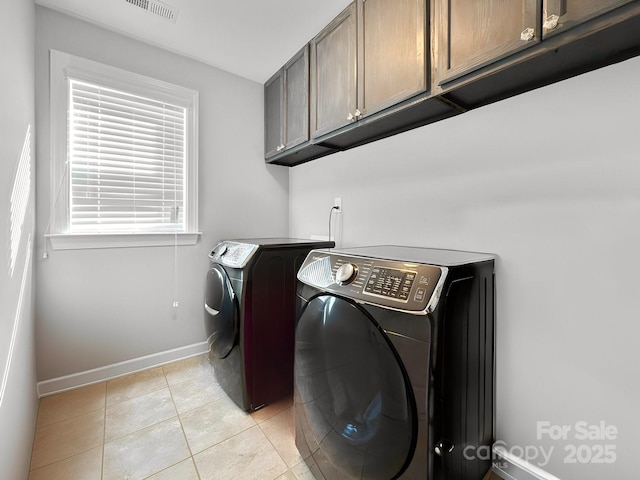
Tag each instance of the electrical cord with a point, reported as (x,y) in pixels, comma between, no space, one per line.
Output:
(330,215)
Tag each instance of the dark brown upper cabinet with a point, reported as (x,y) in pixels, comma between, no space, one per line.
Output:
(473,34)
(383,67)
(560,15)
(273,115)
(334,64)
(372,56)
(392,54)
(286,106)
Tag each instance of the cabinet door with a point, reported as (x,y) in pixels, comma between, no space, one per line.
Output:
(476,33)
(333,74)
(560,15)
(273,114)
(296,98)
(392,52)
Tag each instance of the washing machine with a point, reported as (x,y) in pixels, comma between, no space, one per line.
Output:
(394,363)
(250,300)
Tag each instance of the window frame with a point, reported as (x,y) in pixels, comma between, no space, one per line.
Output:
(64,66)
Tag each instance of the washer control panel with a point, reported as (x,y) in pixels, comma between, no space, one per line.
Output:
(406,286)
(233,254)
(389,282)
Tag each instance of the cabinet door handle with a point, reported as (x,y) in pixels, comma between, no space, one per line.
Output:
(352,117)
(279,148)
(551,22)
(527,34)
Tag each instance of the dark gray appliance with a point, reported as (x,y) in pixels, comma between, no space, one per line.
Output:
(394,363)
(249,306)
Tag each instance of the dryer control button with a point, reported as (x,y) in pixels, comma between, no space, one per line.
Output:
(346,273)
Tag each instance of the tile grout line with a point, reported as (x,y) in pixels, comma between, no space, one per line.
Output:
(155,390)
(167,385)
(52,425)
(289,469)
(275,449)
(193,461)
(172,390)
(104,432)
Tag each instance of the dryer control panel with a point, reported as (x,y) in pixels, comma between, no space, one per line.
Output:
(406,286)
(233,254)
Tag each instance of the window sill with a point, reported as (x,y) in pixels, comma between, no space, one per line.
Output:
(120,240)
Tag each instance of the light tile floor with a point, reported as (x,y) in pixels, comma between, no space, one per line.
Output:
(168,423)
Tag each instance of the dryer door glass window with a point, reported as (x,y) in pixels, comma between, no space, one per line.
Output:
(221,317)
(354,405)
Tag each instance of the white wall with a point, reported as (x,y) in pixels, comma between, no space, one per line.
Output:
(98,307)
(18,399)
(550,181)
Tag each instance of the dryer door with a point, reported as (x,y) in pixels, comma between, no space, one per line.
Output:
(221,317)
(354,407)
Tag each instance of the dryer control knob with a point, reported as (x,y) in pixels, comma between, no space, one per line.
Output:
(346,273)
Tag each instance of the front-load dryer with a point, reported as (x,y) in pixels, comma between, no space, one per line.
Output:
(394,363)
(250,299)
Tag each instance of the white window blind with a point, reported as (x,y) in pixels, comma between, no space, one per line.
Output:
(127,162)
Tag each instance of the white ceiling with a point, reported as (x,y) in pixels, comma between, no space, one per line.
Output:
(251,38)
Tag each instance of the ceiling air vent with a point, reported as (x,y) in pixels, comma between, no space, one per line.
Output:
(157,8)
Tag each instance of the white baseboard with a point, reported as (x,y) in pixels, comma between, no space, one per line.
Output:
(512,467)
(97,375)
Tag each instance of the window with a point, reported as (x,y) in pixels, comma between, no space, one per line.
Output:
(124,150)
